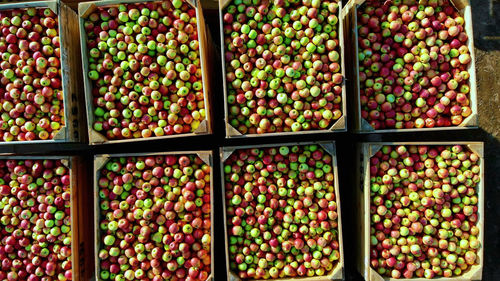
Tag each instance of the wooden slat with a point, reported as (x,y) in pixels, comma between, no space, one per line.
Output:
(341,125)
(206,53)
(71,80)
(82,253)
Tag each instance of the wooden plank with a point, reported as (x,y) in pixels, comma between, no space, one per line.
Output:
(97,234)
(94,137)
(230,130)
(471,122)
(337,272)
(75,221)
(339,125)
(82,255)
(461,4)
(467,14)
(360,262)
(71,81)
(206,53)
(223,4)
(352,53)
(368,150)
(212,213)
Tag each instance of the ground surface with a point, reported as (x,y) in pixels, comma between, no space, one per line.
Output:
(487,37)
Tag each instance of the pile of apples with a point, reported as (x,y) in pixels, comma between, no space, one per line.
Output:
(424,211)
(282,212)
(283,65)
(155,218)
(413,61)
(31,97)
(35,208)
(145,70)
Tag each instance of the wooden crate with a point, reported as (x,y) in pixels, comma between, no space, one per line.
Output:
(101,160)
(339,126)
(360,124)
(337,272)
(365,152)
(78,238)
(72,131)
(86,8)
